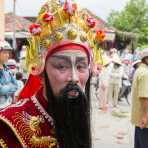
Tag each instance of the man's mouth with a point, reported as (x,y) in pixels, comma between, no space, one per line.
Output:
(73,93)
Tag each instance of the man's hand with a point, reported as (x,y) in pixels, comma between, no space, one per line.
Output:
(144,106)
(143,122)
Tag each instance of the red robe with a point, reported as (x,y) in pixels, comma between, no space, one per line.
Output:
(26,124)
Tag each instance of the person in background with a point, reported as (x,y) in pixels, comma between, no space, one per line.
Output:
(8,84)
(127,54)
(20,83)
(126,84)
(135,65)
(115,80)
(102,92)
(113,52)
(22,67)
(139,115)
(12,66)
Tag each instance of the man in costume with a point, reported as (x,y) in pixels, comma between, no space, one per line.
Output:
(54,112)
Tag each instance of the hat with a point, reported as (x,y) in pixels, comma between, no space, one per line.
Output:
(113,50)
(117,60)
(136,62)
(144,53)
(4,45)
(59,24)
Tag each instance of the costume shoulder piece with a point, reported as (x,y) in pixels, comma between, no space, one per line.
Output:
(26,124)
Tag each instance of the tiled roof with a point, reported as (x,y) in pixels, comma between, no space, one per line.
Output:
(21,24)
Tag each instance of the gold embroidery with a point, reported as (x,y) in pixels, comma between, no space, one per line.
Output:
(34,125)
(31,131)
(43,141)
(36,139)
(3,144)
(22,124)
(9,123)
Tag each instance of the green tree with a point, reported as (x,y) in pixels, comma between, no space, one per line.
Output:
(133,18)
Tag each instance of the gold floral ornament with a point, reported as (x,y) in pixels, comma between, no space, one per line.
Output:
(100,36)
(3,144)
(58,21)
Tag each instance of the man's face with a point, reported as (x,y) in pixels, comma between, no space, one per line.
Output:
(67,66)
(4,55)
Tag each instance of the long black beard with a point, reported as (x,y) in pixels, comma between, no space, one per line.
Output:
(71,116)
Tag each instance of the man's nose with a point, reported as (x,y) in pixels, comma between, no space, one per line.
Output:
(75,77)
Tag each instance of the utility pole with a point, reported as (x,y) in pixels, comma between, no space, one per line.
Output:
(2,20)
(14,25)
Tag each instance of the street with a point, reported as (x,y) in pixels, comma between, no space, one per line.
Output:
(110,130)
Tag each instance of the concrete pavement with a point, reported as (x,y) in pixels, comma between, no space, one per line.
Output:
(111,131)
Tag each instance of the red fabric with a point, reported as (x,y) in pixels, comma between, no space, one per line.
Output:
(41,98)
(32,85)
(16,119)
(8,136)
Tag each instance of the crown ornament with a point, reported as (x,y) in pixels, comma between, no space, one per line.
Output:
(57,21)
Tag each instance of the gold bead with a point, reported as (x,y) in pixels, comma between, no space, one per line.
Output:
(72,34)
(46,43)
(83,37)
(64,15)
(91,45)
(58,36)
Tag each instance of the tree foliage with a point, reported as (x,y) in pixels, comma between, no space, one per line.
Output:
(133,18)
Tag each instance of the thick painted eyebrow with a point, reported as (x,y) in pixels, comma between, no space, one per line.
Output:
(61,57)
(78,59)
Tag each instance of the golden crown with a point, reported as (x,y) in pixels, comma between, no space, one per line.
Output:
(57,21)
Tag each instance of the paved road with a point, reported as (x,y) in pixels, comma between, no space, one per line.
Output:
(110,131)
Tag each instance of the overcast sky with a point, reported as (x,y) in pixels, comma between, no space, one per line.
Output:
(102,8)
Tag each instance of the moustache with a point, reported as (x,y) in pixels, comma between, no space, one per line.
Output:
(71,91)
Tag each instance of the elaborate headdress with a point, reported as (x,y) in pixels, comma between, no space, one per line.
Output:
(59,24)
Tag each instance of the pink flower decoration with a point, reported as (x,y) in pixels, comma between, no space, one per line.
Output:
(91,22)
(70,7)
(48,17)
(35,29)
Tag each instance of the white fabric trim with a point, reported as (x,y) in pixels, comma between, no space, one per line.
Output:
(42,110)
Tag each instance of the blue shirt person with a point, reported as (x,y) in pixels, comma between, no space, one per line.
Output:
(8,84)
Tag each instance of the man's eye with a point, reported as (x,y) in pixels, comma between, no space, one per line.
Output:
(82,66)
(61,67)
